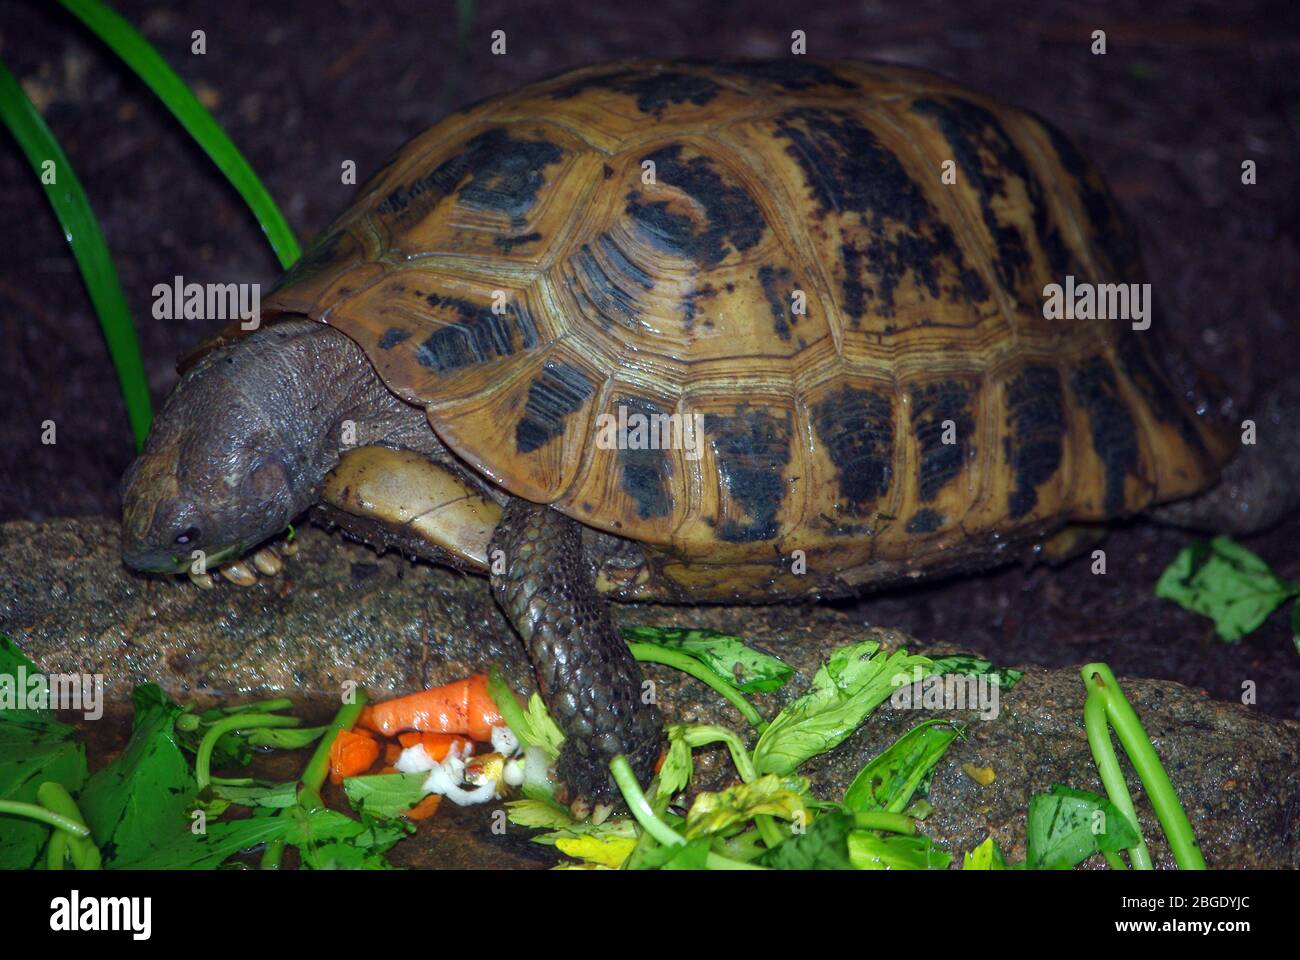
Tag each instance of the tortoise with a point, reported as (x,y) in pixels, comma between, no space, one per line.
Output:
(686,332)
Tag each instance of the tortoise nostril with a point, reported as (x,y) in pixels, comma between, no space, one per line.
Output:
(189,535)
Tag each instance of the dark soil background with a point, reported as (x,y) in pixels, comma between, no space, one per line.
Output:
(1185,93)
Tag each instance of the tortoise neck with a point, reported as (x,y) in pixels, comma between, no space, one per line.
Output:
(318,395)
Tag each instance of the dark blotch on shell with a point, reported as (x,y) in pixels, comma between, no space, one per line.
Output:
(479,335)
(1036,429)
(653,91)
(730,213)
(857,429)
(752,449)
(646,475)
(500,173)
(924,520)
(850,172)
(557,392)
(941,462)
(776,288)
(1114,437)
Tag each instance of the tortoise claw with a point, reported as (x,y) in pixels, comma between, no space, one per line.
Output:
(203,581)
(239,573)
(268,561)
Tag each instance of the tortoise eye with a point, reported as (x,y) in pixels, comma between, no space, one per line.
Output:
(189,535)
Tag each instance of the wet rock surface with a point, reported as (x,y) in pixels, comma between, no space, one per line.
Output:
(340,613)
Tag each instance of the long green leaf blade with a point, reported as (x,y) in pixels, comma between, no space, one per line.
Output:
(83,234)
(137,53)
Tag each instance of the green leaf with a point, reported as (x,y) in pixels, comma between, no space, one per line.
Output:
(284,738)
(385,794)
(544,731)
(232,749)
(971,666)
(1227,583)
(323,838)
(873,851)
(615,828)
(987,856)
(822,846)
(776,796)
(746,669)
(677,767)
(533,727)
(889,780)
(34,748)
(538,814)
(274,796)
(82,230)
(136,52)
(853,682)
(608,852)
(139,803)
(692,855)
(185,850)
(1068,826)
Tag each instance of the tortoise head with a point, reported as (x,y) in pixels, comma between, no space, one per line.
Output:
(213,477)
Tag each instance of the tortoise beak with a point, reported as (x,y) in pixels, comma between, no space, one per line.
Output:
(148,485)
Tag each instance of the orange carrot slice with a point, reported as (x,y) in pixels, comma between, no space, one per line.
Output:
(351,754)
(462,707)
(425,808)
(436,745)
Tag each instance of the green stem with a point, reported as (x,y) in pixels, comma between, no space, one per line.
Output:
(56,851)
(203,758)
(702,734)
(769,830)
(882,820)
(649,653)
(645,815)
(1145,760)
(318,767)
(313,775)
(640,806)
(507,704)
(35,811)
(136,52)
(1112,777)
(749,845)
(86,238)
(85,855)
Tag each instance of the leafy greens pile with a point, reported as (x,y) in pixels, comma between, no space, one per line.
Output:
(153,808)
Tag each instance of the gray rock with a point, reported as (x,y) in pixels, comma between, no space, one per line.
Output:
(340,613)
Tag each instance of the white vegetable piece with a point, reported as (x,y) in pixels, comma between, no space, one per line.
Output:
(504,741)
(415,760)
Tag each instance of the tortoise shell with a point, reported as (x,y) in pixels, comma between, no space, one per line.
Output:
(770,246)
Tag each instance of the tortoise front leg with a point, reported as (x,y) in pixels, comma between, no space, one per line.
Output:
(587,677)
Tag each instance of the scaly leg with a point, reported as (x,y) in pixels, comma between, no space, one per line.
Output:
(587,677)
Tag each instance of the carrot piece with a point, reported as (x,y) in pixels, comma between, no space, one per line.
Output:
(391,752)
(389,770)
(438,745)
(462,707)
(366,720)
(351,754)
(425,808)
